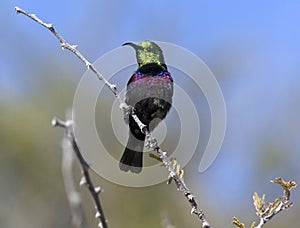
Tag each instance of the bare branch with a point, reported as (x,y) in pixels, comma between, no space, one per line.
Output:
(266,211)
(86,179)
(175,173)
(73,48)
(75,201)
(150,141)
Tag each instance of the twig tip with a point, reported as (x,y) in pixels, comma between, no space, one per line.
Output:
(54,122)
(17,9)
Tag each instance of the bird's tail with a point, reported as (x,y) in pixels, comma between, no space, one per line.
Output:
(132,158)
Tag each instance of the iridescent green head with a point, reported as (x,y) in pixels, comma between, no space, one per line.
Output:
(148,53)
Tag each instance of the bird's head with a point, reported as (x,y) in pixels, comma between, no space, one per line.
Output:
(148,52)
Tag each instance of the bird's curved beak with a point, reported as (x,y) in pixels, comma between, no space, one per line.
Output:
(135,46)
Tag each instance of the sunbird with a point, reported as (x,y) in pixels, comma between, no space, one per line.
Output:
(149,91)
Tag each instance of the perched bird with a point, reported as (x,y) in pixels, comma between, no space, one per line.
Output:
(149,91)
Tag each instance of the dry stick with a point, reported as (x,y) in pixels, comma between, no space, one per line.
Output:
(74,197)
(86,179)
(179,181)
(75,201)
(268,211)
(73,48)
(151,142)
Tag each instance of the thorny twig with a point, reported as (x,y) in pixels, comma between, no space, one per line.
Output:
(86,179)
(266,211)
(73,48)
(75,201)
(151,142)
(174,174)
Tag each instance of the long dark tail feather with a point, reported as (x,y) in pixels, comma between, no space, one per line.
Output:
(132,158)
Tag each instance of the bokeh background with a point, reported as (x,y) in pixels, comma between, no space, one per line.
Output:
(253,49)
